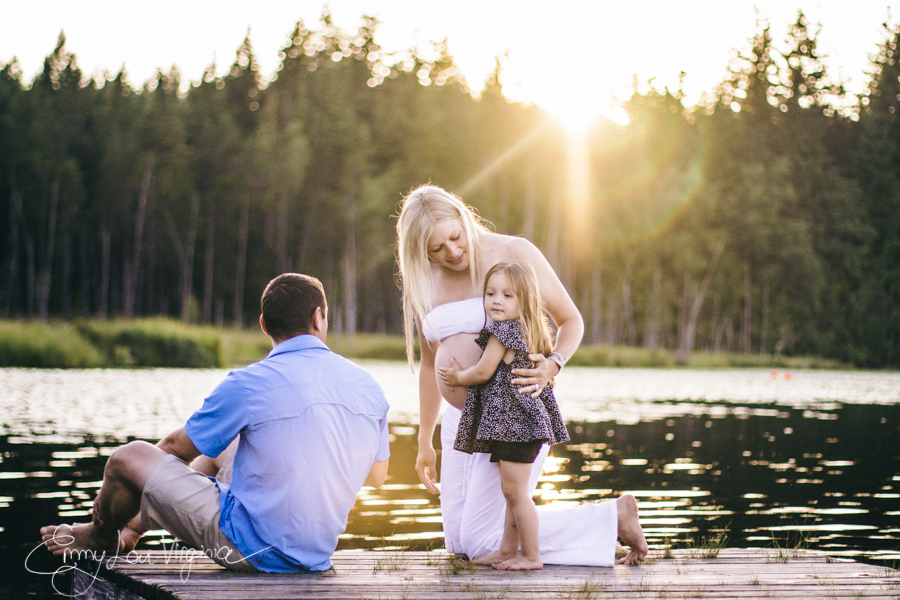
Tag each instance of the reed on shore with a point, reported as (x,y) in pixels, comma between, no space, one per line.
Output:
(159,342)
(115,343)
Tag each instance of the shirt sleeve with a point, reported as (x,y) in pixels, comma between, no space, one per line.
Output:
(510,334)
(221,418)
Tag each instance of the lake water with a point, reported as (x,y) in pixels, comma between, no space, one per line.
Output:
(809,457)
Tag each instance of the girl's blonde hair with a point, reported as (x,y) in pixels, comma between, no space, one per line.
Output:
(535,326)
(421,210)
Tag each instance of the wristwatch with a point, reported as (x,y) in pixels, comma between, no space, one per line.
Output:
(558,359)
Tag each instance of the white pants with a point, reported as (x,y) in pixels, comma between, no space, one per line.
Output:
(473,509)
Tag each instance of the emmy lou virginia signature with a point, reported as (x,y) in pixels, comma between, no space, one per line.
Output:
(173,553)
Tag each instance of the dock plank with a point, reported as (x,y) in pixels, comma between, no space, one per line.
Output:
(387,575)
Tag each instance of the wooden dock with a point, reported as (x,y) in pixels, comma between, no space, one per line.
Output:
(733,573)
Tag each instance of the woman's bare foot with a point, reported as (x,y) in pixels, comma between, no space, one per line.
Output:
(520,563)
(494,559)
(75,538)
(630,531)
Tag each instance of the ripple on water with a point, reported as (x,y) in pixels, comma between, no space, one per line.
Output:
(701,450)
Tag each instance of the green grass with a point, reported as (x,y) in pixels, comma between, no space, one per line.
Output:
(707,546)
(83,344)
(794,545)
(603,355)
(46,345)
(158,342)
(244,346)
(155,342)
(161,342)
(369,346)
(588,590)
(457,566)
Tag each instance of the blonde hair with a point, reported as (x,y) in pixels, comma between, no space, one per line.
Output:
(421,210)
(535,326)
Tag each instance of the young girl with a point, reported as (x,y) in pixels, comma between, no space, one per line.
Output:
(497,419)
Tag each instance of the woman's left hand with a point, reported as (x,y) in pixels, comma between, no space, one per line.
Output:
(532,381)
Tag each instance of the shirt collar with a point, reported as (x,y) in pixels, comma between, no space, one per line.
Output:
(303,341)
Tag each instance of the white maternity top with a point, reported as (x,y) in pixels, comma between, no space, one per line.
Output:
(462,316)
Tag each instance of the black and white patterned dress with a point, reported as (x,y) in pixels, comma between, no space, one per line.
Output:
(496,411)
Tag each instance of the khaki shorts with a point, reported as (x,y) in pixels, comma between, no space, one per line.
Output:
(185,503)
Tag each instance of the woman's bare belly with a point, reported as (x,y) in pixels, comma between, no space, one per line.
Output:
(463,348)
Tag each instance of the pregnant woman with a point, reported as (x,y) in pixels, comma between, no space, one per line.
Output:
(444,252)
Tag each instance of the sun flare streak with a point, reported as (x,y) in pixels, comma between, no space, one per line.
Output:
(578,162)
(479,178)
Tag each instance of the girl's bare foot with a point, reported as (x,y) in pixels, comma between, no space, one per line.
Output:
(75,538)
(494,559)
(630,531)
(520,563)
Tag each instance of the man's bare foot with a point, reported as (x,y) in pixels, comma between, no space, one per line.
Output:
(630,531)
(520,563)
(494,559)
(621,552)
(129,539)
(74,538)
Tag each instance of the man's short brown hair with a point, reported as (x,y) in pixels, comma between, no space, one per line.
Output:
(289,304)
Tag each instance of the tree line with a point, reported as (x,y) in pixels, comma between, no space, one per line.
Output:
(762,220)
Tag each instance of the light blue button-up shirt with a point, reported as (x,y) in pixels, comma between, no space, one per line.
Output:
(311,424)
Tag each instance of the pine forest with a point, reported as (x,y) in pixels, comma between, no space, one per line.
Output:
(764,220)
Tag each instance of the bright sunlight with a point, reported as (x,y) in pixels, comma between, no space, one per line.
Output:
(571,97)
(577,112)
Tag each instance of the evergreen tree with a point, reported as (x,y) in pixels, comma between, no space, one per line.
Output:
(754,81)
(763,220)
(214,146)
(808,84)
(242,88)
(877,169)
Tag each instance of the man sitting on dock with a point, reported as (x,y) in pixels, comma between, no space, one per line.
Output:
(312,430)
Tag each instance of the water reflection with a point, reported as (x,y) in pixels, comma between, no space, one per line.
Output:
(760,472)
(768,475)
(824,471)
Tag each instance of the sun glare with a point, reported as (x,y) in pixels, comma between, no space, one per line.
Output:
(579,182)
(577,113)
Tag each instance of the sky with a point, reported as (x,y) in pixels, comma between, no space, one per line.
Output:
(568,56)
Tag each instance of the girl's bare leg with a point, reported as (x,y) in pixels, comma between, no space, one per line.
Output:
(524,526)
(509,545)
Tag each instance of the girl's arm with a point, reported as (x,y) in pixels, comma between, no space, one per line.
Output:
(429,410)
(481,371)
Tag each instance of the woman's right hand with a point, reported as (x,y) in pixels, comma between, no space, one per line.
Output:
(426,467)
